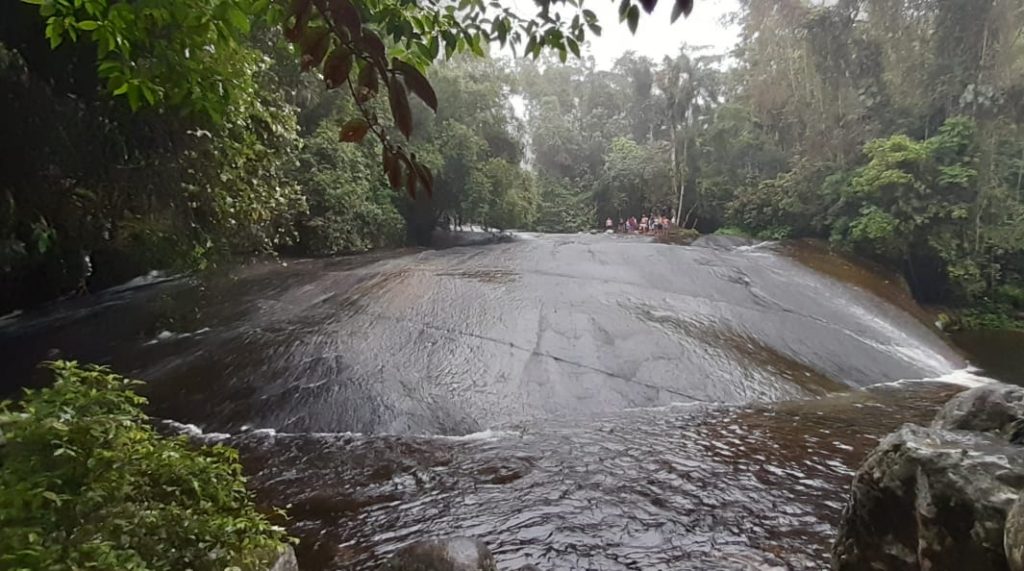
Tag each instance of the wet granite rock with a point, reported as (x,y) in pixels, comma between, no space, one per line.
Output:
(1013,536)
(932,498)
(450,554)
(995,408)
(286,561)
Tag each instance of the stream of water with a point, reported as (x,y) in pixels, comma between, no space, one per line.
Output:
(578,402)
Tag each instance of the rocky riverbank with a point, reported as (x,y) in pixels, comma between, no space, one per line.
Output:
(942,497)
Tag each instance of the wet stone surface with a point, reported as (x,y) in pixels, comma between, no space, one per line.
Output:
(575,402)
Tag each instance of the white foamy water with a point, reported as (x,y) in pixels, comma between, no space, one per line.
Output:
(967,377)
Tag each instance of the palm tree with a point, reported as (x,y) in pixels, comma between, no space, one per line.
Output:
(675,80)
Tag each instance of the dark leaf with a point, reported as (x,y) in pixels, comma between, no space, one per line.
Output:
(416,83)
(354,130)
(681,7)
(633,18)
(300,10)
(574,46)
(343,13)
(373,45)
(435,47)
(368,83)
(410,179)
(297,7)
(648,5)
(314,44)
(624,9)
(400,106)
(426,179)
(338,67)
(393,169)
(530,45)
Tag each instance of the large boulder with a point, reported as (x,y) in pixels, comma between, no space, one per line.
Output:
(452,554)
(1013,536)
(286,561)
(932,499)
(994,408)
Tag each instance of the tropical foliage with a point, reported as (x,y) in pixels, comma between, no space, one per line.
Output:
(893,129)
(87,484)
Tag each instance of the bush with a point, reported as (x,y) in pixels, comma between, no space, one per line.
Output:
(351,208)
(86,483)
(732,231)
(681,236)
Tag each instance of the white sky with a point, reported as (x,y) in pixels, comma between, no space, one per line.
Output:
(655,37)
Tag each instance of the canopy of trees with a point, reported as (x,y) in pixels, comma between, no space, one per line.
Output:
(895,129)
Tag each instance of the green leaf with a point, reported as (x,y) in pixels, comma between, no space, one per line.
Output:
(237,18)
(633,18)
(148,93)
(434,47)
(476,47)
(531,44)
(88,25)
(134,99)
(574,46)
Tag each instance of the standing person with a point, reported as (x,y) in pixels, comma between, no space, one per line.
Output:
(609,226)
(644,220)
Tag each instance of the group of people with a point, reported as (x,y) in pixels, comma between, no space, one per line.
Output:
(648,224)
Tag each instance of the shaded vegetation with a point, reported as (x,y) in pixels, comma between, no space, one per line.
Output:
(891,129)
(87,484)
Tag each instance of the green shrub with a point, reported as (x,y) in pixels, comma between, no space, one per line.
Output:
(681,236)
(86,483)
(351,208)
(732,231)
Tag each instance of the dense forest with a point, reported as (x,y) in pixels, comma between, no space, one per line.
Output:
(894,129)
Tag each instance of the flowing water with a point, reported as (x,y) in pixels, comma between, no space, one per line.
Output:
(578,402)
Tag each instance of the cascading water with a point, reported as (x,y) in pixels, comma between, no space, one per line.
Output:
(576,401)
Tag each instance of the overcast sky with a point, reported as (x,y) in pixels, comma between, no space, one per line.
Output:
(655,37)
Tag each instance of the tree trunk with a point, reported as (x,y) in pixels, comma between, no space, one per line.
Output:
(682,183)
(675,163)
(1020,174)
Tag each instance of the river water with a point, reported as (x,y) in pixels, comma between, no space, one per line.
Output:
(578,402)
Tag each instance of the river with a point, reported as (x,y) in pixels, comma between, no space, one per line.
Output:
(576,401)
